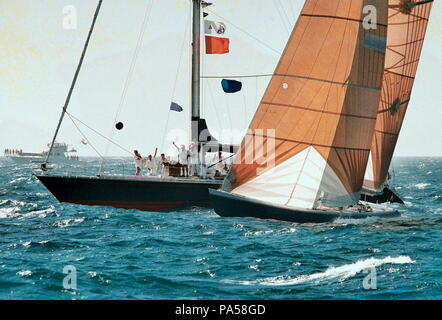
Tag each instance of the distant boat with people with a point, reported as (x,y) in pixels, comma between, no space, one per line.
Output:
(60,153)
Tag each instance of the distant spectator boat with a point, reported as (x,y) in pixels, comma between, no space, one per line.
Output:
(60,154)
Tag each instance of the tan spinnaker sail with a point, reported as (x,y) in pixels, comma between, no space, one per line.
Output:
(407,24)
(322,103)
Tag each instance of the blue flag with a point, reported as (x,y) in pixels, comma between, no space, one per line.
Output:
(175,107)
(231,86)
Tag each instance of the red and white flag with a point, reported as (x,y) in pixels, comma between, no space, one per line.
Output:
(215,44)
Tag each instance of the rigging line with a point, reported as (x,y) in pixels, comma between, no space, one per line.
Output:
(131,69)
(409,51)
(245,109)
(408,48)
(284,11)
(98,133)
(176,78)
(235,76)
(209,85)
(84,136)
(228,112)
(212,165)
(283,22)
(419,31)
(135,57)
(245,32)
(292,9)
(74,81)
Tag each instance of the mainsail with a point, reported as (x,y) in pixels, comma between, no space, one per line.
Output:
(407,24)
(319,110)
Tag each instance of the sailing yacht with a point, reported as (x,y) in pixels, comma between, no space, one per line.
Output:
(145,193)
(319,112)
(407,25)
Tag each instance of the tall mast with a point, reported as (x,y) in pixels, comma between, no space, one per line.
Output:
(74,81)
(196,68)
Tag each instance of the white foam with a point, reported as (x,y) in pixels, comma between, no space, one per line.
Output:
(41,213)
(9,212)
(257,233)
(25,273)
(67,222)
(422,185)
(343,272)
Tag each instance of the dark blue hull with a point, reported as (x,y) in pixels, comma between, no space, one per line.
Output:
(229,205)
(387,195)
(131,192)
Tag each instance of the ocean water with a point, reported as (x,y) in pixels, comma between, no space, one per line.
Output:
(194,254)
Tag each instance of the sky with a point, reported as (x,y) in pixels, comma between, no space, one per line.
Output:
(39,51)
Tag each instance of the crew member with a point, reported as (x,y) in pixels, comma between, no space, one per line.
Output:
(220,165)
(194,158)
(164,165)
(183,156)
(138,162)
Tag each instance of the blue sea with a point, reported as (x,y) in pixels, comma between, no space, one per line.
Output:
(195,254)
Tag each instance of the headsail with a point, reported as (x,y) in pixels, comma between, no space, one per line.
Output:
(319,109)
(407,24)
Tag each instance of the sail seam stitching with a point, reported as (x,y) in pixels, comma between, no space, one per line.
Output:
(328,81)
(340,18)
(321,111)
(308,143)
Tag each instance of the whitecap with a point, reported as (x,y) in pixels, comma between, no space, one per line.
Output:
(9,212)
(210,273)
(257,233)
(41,194)
(421,186)
(287,230)
(25,273)
(40,213)
(67,222)
(343,272)
(18,180)
(349,221)
(254,267)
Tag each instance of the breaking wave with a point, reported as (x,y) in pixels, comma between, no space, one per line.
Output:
(343,272)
